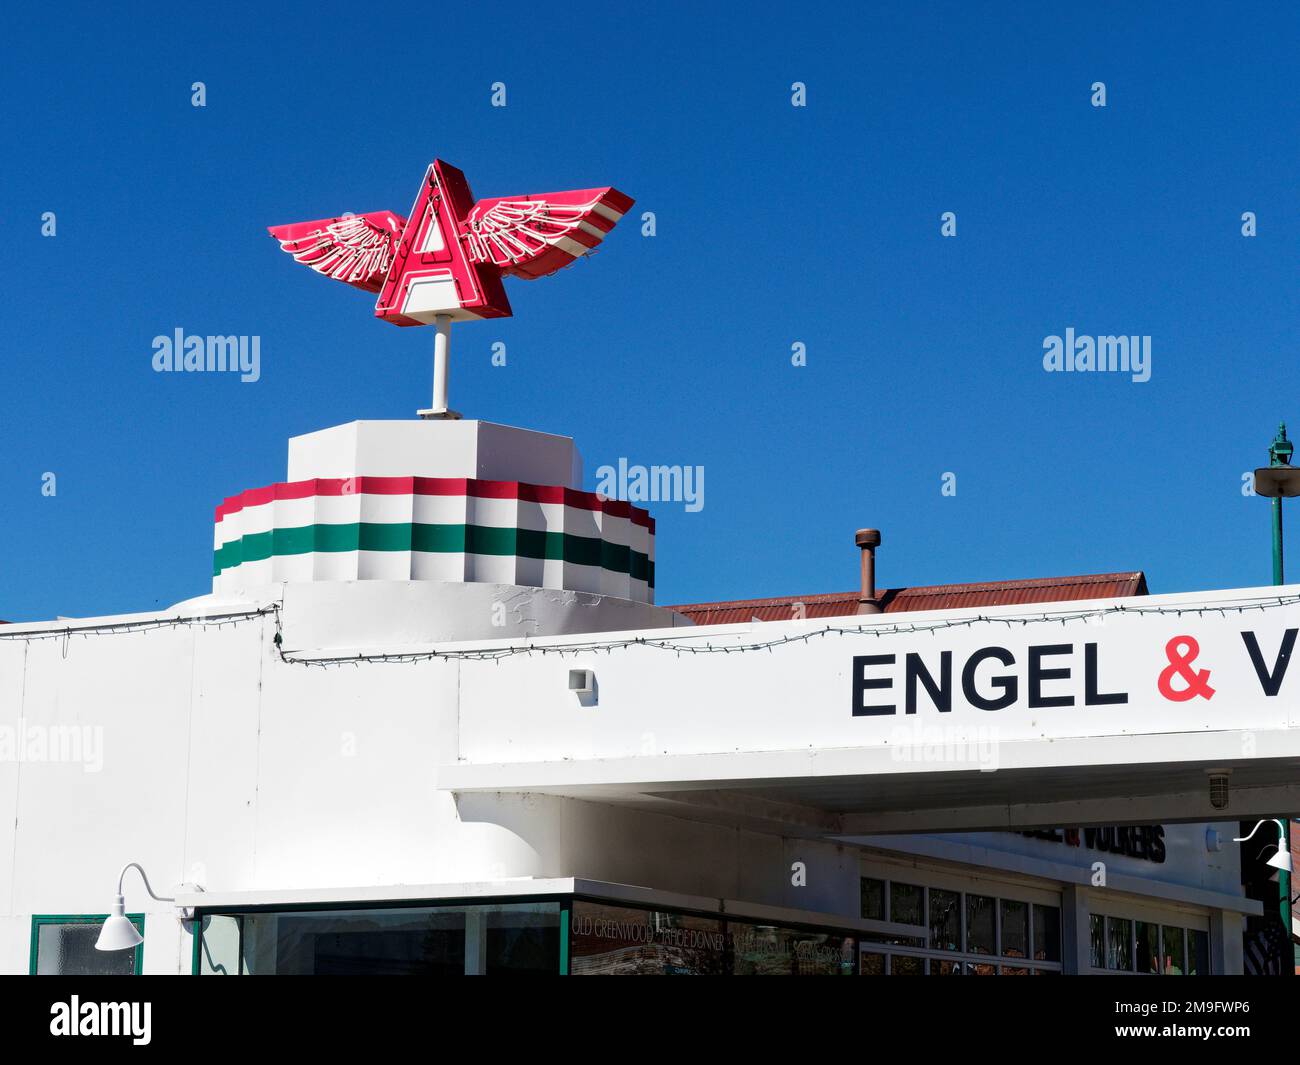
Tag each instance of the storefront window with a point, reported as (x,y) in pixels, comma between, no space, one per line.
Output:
(513,938)
(970,934)
(904,965)
(219,945)
(945,919)
(618,941)
(981,933)
(1015,929)
(765,950)
(873,898)
(1148,947)
(1174,963)
(1119,944)
(1096,941)
(1047,933)
(872,964)
(905,904)
(1124,945)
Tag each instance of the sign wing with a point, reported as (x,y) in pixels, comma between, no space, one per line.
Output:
(355,249)
(533,236)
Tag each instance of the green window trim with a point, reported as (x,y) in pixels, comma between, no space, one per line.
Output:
(566,911)
(41,919)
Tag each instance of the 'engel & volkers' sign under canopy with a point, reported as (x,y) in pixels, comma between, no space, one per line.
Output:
(798,711)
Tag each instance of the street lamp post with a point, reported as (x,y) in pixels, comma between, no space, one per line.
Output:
(1277,481)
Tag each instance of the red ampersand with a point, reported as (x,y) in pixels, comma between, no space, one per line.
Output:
(1181,651)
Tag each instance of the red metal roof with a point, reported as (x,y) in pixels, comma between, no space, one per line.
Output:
(927,597)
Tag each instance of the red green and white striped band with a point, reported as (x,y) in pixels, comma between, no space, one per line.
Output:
(434,528)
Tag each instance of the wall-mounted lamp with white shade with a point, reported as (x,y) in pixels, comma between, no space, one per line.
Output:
(1282,859)
(118,933)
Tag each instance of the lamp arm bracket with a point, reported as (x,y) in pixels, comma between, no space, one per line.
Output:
(1258,824)
(147,886)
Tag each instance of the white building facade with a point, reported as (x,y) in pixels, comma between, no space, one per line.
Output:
(389,742)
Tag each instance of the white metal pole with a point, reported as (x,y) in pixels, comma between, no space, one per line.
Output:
(441,361)
(441,369)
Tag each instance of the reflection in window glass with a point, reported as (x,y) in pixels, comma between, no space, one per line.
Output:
(620,941)
(872,964)
(962,923)
(1119,944)
(519,938)
(873,898)
(1047,933)
(1199,951)
(905,904)
(1096,941)
(219,945)
(1148,947)
(1173,955)
(981,935)
(767,950)
(945,919)
(904,965)
(1015,929)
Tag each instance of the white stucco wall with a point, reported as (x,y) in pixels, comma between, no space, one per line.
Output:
(224,766)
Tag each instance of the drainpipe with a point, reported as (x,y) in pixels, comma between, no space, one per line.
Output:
(868,540)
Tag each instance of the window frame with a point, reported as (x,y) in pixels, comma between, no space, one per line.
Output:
(565,903)
(1185,928)
(40,920)
(962,957)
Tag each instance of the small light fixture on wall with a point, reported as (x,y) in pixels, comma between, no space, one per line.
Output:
(118,933)
(1282,859)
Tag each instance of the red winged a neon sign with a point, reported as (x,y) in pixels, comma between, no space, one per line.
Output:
(447,260)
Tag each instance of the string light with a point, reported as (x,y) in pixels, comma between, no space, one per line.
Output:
(678,645)
(119,628)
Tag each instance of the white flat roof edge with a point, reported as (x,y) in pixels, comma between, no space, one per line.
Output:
(639,773)
(630,894)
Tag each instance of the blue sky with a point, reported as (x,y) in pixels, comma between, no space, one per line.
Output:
(775,224)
